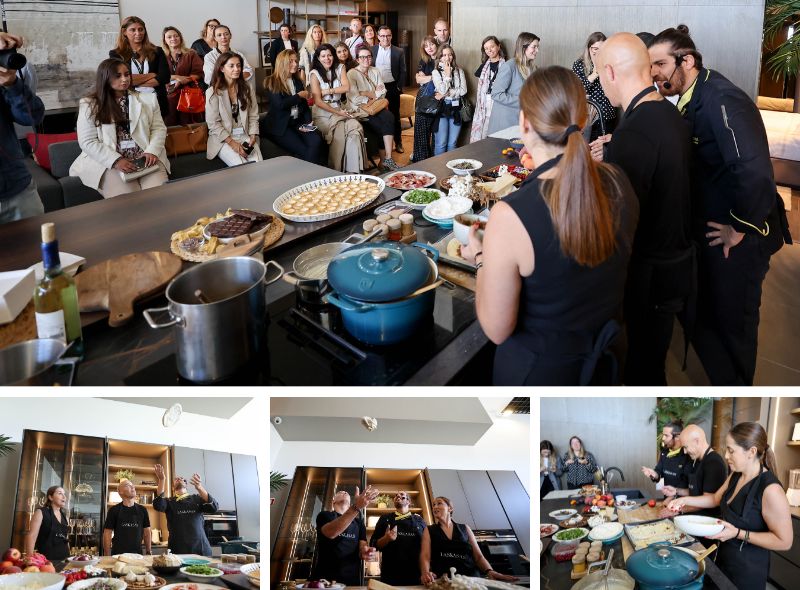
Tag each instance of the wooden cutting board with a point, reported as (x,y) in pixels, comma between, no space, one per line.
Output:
(641,514)
(116,284)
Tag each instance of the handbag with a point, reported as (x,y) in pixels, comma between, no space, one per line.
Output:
(192,99)
(428,105)
(377,105)
(467,110)
(186,139)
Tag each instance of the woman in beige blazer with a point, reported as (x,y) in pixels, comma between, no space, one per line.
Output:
(119,130)
(231,114)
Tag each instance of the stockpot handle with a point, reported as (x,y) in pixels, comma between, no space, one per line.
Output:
(176,320)
(347,305)
(434,253)
(270,281)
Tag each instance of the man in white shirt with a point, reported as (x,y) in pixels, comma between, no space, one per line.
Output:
(356,38)
(391,62)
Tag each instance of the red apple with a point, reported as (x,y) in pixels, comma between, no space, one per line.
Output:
(5,564)
(12,554)
(651,503)
(11,569)
(48,568)
(601,504)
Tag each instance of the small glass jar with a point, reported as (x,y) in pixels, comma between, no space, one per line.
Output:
(383,218)
(383,231)
(592,557)
(394,230)
(396,213)
(578,564)
(407,224)
(369,225)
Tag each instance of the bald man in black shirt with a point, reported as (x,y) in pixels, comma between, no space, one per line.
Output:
(651,144)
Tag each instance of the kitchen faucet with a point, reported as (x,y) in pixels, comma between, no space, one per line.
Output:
(609,475)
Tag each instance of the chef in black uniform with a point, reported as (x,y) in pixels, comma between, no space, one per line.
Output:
(651,144)
(738,217)
(342,539)
(448,544)
(185,514)
(755,511)
(127,524)
(672,463)
(49,527)
(705,470)
(398,537)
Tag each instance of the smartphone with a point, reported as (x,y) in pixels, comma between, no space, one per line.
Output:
(247,147)
(307,128)
(139,163)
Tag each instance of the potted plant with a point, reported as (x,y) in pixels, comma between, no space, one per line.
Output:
(277,480)
(689,410)
(5,446)
(383,501)
(784,61)
(124,474)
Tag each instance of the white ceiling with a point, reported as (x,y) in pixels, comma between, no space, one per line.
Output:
(216,407)
(411,420)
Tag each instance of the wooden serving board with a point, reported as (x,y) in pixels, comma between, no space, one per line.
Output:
(641,514)
(116,284)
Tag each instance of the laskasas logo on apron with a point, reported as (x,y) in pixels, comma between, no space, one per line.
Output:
(132,525)
(185,511)
(347,535)
(406,534)
(452,555)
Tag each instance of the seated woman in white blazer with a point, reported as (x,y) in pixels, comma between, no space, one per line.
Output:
(117,127)
(231,114)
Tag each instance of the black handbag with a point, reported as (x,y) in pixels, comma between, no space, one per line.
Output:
(428,105)
(467,110)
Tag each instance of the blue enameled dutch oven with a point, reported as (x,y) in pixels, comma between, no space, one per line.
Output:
(663,567)
(373,283)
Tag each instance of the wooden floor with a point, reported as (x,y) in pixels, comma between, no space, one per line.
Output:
(779,331)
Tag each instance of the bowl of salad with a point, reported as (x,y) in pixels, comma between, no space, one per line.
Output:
(419,198)
(201,573)
(576,534)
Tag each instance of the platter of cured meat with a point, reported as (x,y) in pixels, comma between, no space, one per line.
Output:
(407,180)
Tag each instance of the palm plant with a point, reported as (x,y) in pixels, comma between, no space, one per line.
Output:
(785,58)
(277,480)
(689,410)
(5,446)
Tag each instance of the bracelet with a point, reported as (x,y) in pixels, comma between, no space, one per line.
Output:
(486,573)
(478,266)
(478,253)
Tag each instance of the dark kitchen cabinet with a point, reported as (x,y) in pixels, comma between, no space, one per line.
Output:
(487,511)
(516,504)
(445,482)
(188,462)
(784,567)
(219,478)
(248,501)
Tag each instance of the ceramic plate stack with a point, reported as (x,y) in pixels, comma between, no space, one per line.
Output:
(607,533)
(253,573)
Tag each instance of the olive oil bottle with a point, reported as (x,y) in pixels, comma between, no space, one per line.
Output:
(55,297)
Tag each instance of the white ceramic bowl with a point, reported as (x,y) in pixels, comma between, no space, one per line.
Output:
(115,583)
(82,564)
(200,577)
(558,536)
(699,526)
(605,531)
(42,581)
(462,224)
(476,165)
(620,498)
(563,514)
(447,208)
(421,206)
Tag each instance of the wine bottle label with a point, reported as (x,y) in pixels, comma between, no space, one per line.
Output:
(51,325)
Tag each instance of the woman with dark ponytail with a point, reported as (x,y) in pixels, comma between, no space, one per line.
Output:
(754,508)
(573,218)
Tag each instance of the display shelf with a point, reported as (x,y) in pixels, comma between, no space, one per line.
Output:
(796,412)
(387,510)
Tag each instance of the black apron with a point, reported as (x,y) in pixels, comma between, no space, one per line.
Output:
(185,525)
(52,540)
(455,552)
(673,469)
(339,558)
(746,565)
(400,558)
(129,524)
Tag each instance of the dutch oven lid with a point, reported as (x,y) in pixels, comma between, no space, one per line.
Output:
(662,566)
(379,271)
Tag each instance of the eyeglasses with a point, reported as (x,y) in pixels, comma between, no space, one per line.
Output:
(364,57)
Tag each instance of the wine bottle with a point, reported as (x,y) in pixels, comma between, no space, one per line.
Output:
(55,297)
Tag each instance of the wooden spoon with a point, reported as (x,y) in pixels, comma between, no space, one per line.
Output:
(701,556)
(425,289)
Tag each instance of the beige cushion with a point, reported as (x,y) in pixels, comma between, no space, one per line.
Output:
(769,103)
(406,105)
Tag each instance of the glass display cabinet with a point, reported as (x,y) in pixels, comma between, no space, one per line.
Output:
(311,492)
(77,464)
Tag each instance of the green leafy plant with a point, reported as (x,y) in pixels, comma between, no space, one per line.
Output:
(785,58)
(5,446)
(277,480)
(384,499)
(124,474)
(689,410)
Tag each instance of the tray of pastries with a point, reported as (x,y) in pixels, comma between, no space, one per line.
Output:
(328,198)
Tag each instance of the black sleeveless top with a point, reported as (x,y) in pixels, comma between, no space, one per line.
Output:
(746,565)
(455,552)
(562,301)
(52,540)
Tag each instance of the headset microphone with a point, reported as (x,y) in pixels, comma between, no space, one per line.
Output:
(678,60)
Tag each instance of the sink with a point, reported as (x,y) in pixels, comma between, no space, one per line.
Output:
(632,494)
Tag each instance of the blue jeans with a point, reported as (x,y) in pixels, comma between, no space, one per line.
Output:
(24,204)
(444,140)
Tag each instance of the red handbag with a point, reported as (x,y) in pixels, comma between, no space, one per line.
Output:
(192,99)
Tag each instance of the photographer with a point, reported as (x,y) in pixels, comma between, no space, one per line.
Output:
(18,104)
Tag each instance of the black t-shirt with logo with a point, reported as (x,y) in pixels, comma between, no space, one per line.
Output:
(128,524)
(185,522)
(339,559)
(400,558)
(706,476)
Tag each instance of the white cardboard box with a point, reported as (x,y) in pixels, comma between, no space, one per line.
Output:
(16,290)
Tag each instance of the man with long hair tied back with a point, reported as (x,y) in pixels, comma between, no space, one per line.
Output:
(552,266)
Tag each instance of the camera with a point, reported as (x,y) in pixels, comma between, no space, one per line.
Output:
(277,420)
(11,60)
